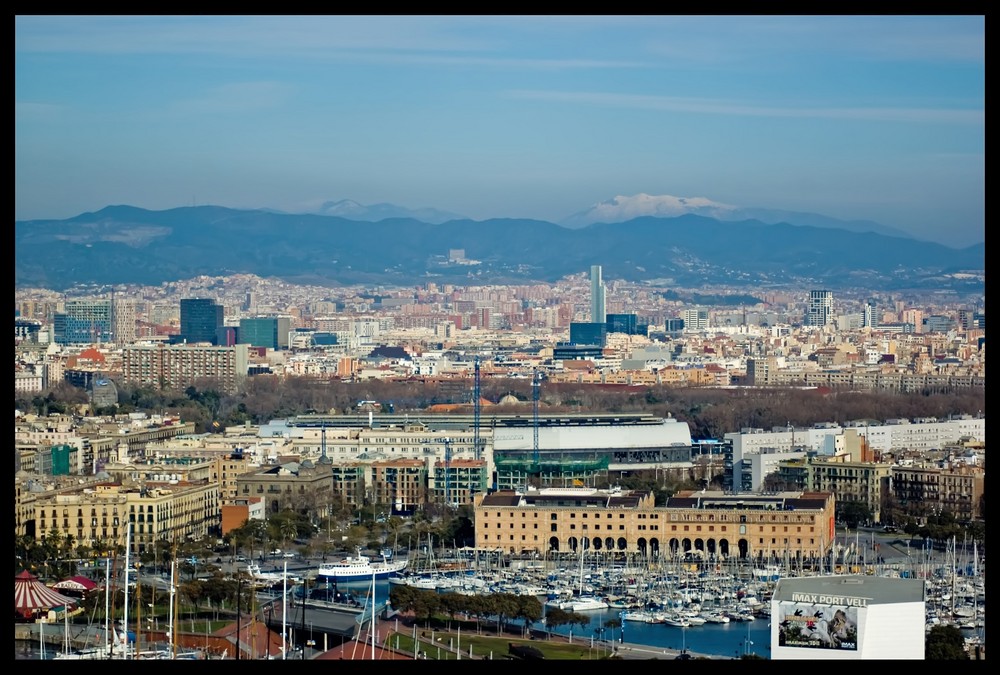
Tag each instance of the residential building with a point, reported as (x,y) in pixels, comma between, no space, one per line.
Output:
(96,517)
(820,309)
(180,366)
(849,481)
(927,490)
(695,319)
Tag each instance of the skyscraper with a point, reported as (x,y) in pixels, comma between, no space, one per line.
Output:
(201,319)
(820,310)
(870,319)
(597,309)
(122,321)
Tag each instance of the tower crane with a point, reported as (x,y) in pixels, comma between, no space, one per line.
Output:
(536,382)
(447,471)
(475,408)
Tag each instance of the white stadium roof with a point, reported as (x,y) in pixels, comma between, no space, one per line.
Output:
(598,437)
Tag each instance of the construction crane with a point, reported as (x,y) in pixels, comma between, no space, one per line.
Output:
(536,382)
(447,471)
(475,409)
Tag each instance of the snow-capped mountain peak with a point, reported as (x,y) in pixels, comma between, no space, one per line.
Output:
(623,208)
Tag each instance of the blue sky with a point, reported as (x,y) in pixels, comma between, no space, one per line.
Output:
(856,117)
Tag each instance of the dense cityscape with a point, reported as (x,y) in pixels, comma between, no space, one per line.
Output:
(439,402)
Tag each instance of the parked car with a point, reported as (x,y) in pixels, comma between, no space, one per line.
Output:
(288,554)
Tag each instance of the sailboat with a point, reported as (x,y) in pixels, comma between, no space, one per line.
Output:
(371,637)
(579,602)
(112,647)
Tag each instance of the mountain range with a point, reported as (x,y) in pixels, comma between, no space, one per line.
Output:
(130,245)
(618,210)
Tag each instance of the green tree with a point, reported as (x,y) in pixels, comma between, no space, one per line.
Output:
(945,643)
(853,513)
(556,617)
(529,610)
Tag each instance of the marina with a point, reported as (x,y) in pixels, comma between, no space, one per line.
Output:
(719,608)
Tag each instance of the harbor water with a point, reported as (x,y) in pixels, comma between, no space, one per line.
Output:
(725,640)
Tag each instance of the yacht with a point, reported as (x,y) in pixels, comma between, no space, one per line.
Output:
(580,603)
(359,568)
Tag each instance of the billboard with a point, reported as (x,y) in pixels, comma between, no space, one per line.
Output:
(816,624)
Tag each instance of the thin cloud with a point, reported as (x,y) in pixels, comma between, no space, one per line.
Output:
(410,41)
(745,40)
(236,97)
(30,110)
(720,107)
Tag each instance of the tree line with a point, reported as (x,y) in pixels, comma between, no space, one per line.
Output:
(709,412)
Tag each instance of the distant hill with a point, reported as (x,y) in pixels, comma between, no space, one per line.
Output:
(125,244)
(347,208)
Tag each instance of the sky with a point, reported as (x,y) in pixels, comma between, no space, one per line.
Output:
(855,117)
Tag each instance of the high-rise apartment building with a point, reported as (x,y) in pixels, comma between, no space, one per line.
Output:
(83,322)
(201,319)
(597,307)
(179,366)
(820,311)
(695,319)
(870,319)
(123,321)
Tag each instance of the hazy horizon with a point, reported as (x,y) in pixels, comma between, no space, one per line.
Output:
(877,118)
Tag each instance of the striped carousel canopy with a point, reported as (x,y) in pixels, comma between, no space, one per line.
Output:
(79,584)
(31,594)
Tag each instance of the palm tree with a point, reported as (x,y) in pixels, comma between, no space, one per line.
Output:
(288,531)
(23,550)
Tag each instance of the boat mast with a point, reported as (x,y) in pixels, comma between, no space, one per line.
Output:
(284,608)
(138,614)
(107,601)
(373,614)
(173,608)
(128,547)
